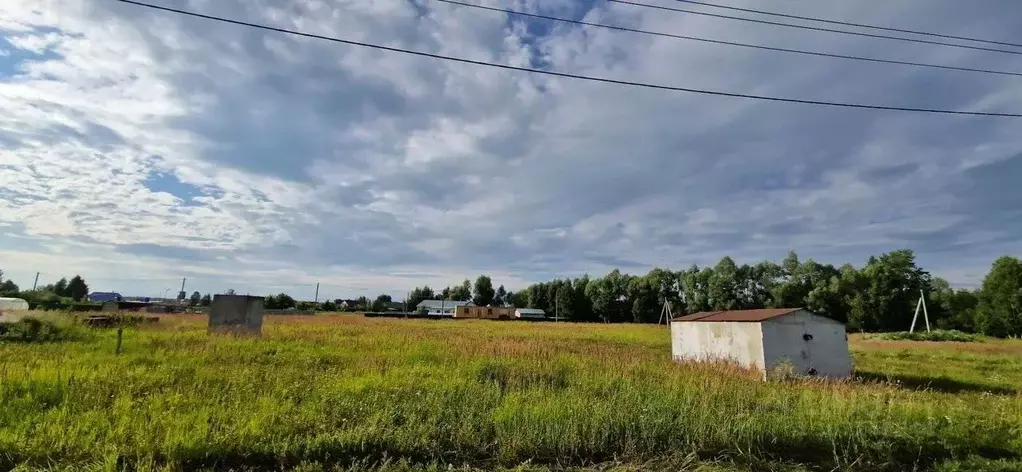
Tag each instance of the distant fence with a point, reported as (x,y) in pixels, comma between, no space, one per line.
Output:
(413,314)
(403,314)
(289,312)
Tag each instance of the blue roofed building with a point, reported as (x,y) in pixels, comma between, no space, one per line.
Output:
(105,297)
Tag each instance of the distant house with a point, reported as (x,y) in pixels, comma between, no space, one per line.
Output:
(346,305)
(105,297)
(530,313)
(441,307)
(772,341)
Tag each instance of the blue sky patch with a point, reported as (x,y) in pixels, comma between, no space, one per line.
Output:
(169,183)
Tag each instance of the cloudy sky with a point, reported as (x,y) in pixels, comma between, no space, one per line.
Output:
(138,147)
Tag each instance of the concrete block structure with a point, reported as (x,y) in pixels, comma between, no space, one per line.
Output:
(241,314)
(775,342)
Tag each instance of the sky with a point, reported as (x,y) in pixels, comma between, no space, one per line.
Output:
(138,147)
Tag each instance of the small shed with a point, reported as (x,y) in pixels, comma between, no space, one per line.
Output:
(242,314)
(773,341)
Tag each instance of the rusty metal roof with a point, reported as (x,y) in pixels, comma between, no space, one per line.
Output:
(751,316)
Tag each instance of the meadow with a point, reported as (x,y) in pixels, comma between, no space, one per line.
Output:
(343,392)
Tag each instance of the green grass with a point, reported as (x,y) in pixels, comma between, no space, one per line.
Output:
(350,393)
(935,335)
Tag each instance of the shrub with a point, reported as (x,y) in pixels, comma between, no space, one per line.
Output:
(29,330)
(35,330)
(936,335)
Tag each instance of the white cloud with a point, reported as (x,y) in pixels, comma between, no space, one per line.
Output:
(303,160)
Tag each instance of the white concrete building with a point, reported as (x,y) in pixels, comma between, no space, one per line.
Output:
(773,341)
(530,313)
(441,307)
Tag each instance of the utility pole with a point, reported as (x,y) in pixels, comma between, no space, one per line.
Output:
(183,285)
(666,313)
(317,293)
(926,316)
(36,281)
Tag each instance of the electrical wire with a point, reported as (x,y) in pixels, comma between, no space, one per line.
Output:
(816,28)
(730,43)
(569,75)
(847,23)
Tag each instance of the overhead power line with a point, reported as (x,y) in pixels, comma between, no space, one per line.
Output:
(816,28)
(569,75)
(730,43)
(848,23)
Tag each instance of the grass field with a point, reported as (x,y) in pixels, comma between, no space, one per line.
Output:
(350,393)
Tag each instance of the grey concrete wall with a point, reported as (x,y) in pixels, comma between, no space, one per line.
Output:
(808,343)
(241,314)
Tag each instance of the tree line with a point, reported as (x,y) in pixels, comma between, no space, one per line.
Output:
(880,296)
(62,291)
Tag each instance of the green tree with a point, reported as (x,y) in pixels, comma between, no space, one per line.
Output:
(601,298)
(643,295)
(888,290)
(724,285)
(551,289)
(750,288)
(461,292)
(195,299)
(206,300)
(60,288)
(695,284)
(537,297)
(281,301)
(828,295)
(77,289)
(816,287)
(500,298)
(666,286)
(417,295)
(362,303)
(609,297)
(765,278)
(950,308)
(7,287)
(484,292)
(583,307)
(1000,299)
(328,306)
(564,303)
(381,302)
(519,299)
